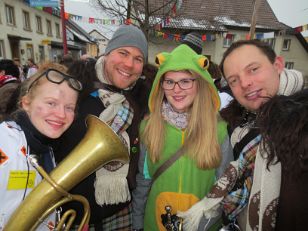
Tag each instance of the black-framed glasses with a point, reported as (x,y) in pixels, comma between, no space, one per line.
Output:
(184,84)
(58,77)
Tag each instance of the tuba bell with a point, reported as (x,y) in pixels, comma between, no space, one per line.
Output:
(99,146)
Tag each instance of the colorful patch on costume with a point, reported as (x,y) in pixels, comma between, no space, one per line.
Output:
(51,225)
(3,157)
(177,201)
(23,150)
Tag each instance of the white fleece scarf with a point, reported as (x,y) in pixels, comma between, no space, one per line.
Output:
(266,183)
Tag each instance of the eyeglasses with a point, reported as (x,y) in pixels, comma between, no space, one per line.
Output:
(184,84)
(58,77)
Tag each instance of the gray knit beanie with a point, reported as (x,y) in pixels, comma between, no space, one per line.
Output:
(128,36)
(194,41)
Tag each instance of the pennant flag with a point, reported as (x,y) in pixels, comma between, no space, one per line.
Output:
(128,21)
(298,29)
(229,36)
(48,9)
(66,15)
(173,10)
(259,36)
(178,4)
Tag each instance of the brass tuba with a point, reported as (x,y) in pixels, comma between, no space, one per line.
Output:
(99,146)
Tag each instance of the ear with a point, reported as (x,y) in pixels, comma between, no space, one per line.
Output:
(279,64)
(25,103)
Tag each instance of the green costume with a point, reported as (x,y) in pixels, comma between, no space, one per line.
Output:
(183,183)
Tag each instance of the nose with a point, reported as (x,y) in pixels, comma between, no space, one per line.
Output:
(177,88)
(245,81)
(60,112)
(129,61)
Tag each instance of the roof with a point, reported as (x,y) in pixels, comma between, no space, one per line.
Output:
(99,33)
(78,31)
(217,15)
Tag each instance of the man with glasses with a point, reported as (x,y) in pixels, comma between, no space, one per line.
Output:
(115,102)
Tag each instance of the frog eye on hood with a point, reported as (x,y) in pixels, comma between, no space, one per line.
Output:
(203,62)
(160,59)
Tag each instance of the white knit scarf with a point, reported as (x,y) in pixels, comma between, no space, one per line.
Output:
(265,190)
(111,186)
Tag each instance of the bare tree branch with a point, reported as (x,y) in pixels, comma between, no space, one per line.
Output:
(145,12)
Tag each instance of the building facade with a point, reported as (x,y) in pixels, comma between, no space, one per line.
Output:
(28,32)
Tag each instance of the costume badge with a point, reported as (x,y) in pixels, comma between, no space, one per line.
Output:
(21,180)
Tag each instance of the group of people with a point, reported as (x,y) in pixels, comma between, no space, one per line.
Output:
(193,164)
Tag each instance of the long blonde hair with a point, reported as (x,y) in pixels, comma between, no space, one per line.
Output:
(201,142)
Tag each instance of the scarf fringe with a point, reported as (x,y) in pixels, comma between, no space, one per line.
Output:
(111,190)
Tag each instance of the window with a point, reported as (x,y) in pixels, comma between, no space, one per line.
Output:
(49,29)
(26,19)
(286,44)
(58,30)
(228,40)
(270,42)
(10,15)
(39,28)
(289,65)
(2,56)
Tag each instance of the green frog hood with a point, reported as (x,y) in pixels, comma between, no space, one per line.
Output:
(183,58)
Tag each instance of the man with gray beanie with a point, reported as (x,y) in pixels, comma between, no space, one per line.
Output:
(115,100)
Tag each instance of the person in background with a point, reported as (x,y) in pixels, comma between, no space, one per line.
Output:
(21,69)
(224,95)
(85,57)
(9,81)
(47,104)
(67,60)
(184,106)
(84,71)
(250,189)
(194,41)
(32,68)
(113,101)
(148,75)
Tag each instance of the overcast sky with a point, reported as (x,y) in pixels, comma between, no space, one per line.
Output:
(291,12)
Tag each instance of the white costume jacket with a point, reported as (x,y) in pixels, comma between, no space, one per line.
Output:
(18,176)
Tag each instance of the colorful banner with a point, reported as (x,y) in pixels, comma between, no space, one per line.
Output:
(90,20)
(180,37)
(46,3)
